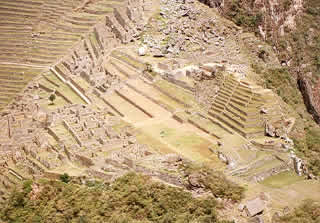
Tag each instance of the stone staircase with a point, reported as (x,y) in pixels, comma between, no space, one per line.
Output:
(237,105)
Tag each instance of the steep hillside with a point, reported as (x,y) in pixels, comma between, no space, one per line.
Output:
(103,91)
(131,198)
(292,28)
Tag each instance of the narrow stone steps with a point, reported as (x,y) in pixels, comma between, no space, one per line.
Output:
(217,122)
(246,132)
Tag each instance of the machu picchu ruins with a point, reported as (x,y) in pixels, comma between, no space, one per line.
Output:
(98,89)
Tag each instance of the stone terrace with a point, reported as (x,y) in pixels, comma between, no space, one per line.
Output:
(35,34)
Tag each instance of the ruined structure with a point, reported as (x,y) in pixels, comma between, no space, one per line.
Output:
(132,95)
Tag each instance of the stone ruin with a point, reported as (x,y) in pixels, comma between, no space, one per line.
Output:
(38,142)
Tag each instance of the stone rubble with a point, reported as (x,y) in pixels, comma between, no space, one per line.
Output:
(180,28)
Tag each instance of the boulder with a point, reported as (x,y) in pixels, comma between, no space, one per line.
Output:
(270,130)
(194,180)
(254,207)
(142,51)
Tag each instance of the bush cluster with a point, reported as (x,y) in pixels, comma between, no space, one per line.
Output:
(308,212)
(131,198)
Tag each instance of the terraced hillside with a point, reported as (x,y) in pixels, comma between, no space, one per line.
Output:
(87,91)
(36,34)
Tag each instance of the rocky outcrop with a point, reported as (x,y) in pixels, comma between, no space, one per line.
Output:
(311,100)
(281,22)
(272,17)
(212,3)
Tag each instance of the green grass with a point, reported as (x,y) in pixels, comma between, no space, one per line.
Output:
(179,93)
(65,89)
(308,212)
(282,179)
(267,165)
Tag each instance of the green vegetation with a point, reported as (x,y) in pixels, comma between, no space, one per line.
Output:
(237,11)
(131,198)
(65,178)
(308,212)
(52,97)
(281,82)
(307,141)
(282,179)
(313,145)
(216,182)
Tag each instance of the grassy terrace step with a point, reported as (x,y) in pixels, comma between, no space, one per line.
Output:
(18,10)
(55,43)
(148,89)
(17,5)
(220,102)
(160,103)
(11,76)
(238,88)
(181,117)
(129,60)
(64,89)
(248,111)
(219,123)
(24,2)
(181,96)
(19,19)
(226,91)
(207,126)
(16,30)
(94,49)
(246,132)
(59,38)
(217,108)
(48,48)
(63,133)
(69,27)
(82,17)
(33,56)
(265,166)
(241,98)
(240,122)
(9,90)
(250,104)
(111,68)
(123,68)
(224,96)
(95,44)
(128,109)
(243,117)
(124,96)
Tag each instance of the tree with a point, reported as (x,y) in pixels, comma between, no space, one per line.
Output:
(52,97)
(65,178)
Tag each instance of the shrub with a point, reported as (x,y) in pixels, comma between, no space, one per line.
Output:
(52,97)
(65,178)
(216,182)
(308,212)
(131,198)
